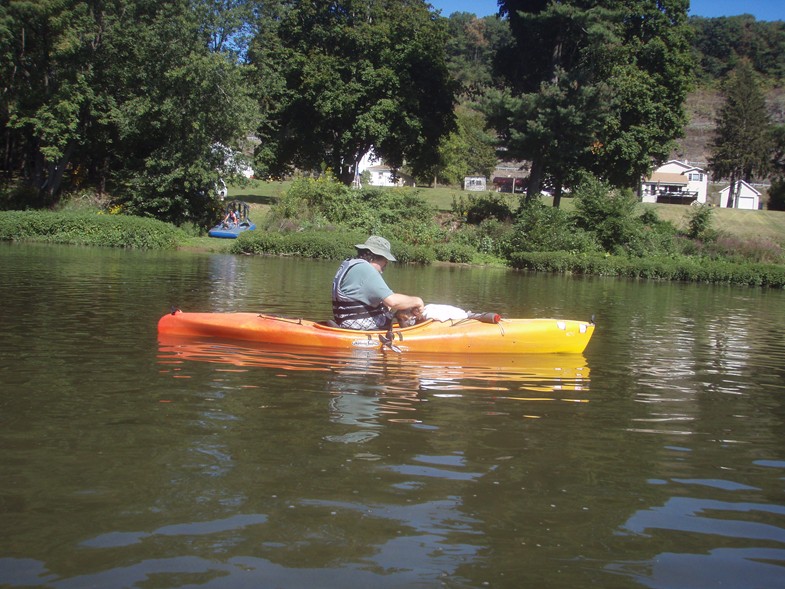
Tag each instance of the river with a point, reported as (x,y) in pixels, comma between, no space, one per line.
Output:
(654,459)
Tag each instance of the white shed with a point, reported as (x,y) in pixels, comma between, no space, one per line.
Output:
(748,197)
(475,183)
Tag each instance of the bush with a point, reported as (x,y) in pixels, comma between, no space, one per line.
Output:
(542,228)
(610,215)
(699,222)
(660,268)
(89,229)
(321,245)
(487,205)
(777,195)
(314,203)
(325,203)
(454,252)
(488,238)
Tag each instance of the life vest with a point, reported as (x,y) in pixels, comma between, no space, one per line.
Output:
(353,314)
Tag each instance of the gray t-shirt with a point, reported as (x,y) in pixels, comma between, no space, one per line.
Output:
(364,283)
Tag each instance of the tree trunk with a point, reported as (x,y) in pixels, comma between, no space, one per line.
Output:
(56,171)
(535,181)
(732,190)
(557,191)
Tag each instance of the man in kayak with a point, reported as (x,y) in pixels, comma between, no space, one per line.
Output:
(361,297)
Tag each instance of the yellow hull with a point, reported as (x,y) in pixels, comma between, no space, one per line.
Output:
(509,336)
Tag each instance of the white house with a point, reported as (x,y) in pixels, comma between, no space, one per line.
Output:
(379,173)
(676,182)
(748,197)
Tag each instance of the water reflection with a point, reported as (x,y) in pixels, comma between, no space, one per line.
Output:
(756,528)
(369,386)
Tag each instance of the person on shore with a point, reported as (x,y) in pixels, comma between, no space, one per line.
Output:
(361,297)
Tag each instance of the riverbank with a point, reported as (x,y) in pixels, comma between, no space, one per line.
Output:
(740,259)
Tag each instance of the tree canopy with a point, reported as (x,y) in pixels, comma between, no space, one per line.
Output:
(349,77)
(124,94)
(720,44)
(596,86)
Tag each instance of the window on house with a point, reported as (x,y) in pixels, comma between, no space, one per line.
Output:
(696,177)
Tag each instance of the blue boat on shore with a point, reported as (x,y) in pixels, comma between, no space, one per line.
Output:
(234,222)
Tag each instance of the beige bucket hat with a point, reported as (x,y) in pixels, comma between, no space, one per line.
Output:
(378,245)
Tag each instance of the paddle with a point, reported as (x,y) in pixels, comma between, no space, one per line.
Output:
(486,317)
(388,339)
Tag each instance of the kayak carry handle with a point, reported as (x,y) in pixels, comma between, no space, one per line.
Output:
(486,317)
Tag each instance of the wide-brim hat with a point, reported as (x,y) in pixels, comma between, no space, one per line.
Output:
(377,245)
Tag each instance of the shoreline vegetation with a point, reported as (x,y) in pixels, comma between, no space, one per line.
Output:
(597,231)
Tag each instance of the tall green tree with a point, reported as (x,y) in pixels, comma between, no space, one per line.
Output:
(350,76)
(777,188)
(124,94)
(468,150)
(471,45)
(592,85)
(177,103)
(743,141)
(48,88)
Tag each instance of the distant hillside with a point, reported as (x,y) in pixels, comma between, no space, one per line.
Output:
(702,107)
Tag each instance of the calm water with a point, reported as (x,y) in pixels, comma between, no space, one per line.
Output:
(655,459)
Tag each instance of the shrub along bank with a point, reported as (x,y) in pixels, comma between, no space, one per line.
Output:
(659,268)
(85,228)
(606,234)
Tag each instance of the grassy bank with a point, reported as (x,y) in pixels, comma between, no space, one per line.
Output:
(743,224)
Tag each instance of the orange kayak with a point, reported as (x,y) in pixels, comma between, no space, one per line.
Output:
(507,336)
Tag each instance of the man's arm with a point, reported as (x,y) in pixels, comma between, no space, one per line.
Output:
(398,301)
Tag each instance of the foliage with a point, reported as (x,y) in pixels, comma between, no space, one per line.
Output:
(470,47)
(658,268)
(610,215)
(557,109)
(489,238)
(542,228)
(699,222)
(554,127)
(326,203)
(720,44)
(487,205)
(777,189)
(349,76)
(777,195)
(457,253)
(125,96)
(88,229)
(734,249)
(323,245)
(742,142)
(467,151)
